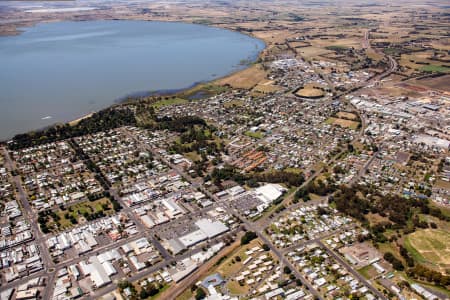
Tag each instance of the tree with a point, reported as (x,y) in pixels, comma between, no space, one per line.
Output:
(152,290)
(396,263)
(248,237)
(200,294)
(350,148)
(252,183)
(144,294)
(123,284)
(101,121)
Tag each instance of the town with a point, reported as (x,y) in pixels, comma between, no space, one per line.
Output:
(321,173)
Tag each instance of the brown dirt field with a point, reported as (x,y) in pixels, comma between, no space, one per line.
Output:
(310,91)
(274,36)
(299,44)
(441,45)
(266,87)
(245,79)
(343,123)
(394,90)
(345,42)
(347,115)
(411,87)
(376,218)
(310,52)
(374,55)
(438,83)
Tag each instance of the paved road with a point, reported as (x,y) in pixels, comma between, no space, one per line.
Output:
(265,221)
(363,170)
(258,230)
(392,67)
(392,62)
(192,279)
(366,42)
(148,271)
(317,239)
(75,260)
(352,271)
(31,217)
(256,227)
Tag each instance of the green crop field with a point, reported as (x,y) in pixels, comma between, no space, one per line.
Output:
(434,68)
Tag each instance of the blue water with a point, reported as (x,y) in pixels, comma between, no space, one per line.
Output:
(67,69)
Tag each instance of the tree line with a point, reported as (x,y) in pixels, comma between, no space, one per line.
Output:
(100,121)
(230,172)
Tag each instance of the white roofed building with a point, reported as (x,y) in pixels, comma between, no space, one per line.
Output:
(269,192)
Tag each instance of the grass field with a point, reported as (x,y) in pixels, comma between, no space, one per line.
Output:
(193,156)
(80,209)
(337,44)
(154,297)
(245,79)
(236,289)
(256,135)
(171,101)
(227,267)
(265,88)
(444,209)
(336,47)
(203,91)
(186,295)
(310,91)
(347,115)
(367,271)
(311,52)
(234,103)
(388,247)
(435,68)
(430,246)
(376,219)
(316,197)
(294,170)
(374,55)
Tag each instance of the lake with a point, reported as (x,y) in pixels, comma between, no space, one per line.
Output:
(57,72)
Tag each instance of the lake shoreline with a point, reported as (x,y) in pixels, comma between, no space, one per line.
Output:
(260,46)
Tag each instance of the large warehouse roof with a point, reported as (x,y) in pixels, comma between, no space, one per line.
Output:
(269,192)
(211,229)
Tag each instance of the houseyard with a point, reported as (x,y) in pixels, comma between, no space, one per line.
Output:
(303,224)
(251,270)
(326,274)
